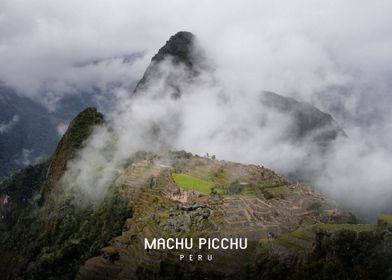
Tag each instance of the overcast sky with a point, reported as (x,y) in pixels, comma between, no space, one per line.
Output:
(304,49)
(284,46)
(334,54)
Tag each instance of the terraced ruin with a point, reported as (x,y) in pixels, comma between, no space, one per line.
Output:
(292,231)
(243,201)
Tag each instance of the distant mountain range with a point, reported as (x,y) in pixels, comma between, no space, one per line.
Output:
(29,132)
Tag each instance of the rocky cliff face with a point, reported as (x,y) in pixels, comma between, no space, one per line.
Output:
(179,47)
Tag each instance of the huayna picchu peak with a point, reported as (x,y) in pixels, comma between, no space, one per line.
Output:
(180,50)
(179,47)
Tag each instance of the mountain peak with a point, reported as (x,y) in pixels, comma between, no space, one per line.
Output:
(179,47)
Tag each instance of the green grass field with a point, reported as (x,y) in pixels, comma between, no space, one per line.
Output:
(386,217)
(303,233)
(192,183)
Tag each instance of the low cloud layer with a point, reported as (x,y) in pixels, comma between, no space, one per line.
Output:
(334,55)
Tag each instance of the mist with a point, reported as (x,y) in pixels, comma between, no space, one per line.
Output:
(212,117)
(333,55)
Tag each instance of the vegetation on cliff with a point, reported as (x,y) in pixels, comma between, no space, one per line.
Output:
(77,133)
(42,240)
(43,245)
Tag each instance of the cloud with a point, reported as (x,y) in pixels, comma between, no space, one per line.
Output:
(285,46)
(25,158)
(5,127)
(334,54)
(62,128)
